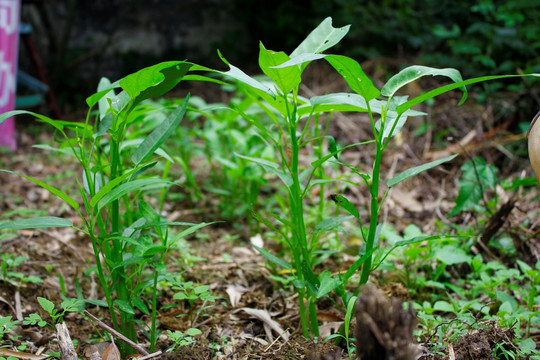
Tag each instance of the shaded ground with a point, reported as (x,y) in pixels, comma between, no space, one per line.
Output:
(236,273)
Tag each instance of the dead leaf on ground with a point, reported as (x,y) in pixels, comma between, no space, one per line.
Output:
(265,317)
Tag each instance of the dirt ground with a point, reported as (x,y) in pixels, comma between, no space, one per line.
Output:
(240,280)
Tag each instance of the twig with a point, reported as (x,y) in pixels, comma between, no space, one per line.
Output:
(117,334)
(64,341)
(150,356)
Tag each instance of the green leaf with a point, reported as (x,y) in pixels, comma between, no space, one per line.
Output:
(270,166)
(47,305)
(417,170)
(475,180)
(443,89)
(415,72)
(155,80)
(272,258)
(322,38)
(153,250)
(160,134)
(286,79)
(43,118)
(332,223)
(67,199)
(239,75)
(342,202)
(451,255)
(125,188)
(327,283)
(124,306)
(352,73)
(37,222)
(193,332)
(189,231)
(139,304)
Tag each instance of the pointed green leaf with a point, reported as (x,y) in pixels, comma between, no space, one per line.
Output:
(160,134)
(417,170)
(67,199)
(342,202)
(121,190)
(155,80)
(241,76)
(415,72)
(352,73)
(443,89)
(327,283)
(47,305)
(36,222)
(271,167)
(272,258)
(190,231)
(286,79)
(139,304)
(42,118)
(124,306)
(323,37)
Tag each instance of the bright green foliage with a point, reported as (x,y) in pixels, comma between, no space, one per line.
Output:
(68,305)
(7,325)
(477,178)
(8,266)
(278,97)
(111,188)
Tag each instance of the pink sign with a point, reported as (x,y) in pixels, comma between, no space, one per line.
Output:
(9,48)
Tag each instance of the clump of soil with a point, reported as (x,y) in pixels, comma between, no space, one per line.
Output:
(479,344)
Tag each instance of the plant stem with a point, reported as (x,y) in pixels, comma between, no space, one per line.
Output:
(374,214)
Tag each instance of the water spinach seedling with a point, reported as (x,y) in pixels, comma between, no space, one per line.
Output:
(292,115)
(127,235)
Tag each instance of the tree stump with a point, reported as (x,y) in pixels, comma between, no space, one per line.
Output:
(383,327)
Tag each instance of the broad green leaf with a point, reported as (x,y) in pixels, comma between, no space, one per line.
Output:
(272,258)
(327,283)
(139,304)
(323,37)
(66,198)
(443,89)
(415,72)
(36,222)
(124,306)
(47,305)
(121,190)
(476,178)
(353,74)
(444,306)
(345,204)
(160,134)
(417,170)
(241,76)
(193,332)
(155,80)
(451,255)
(286,79)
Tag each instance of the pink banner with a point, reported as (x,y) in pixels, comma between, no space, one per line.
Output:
(9,48)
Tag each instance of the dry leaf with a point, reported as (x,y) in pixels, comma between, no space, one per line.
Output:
(235,292)
(21,355)
(265,317)
(111,352)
